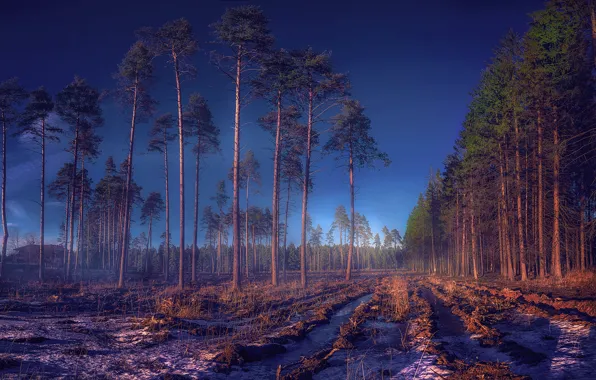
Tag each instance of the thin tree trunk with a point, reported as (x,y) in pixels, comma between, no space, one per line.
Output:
(166,268)
(236,168)
(463,242)
(541,252)
(181,149)
(42,201)
(504,220)
(148,243)
(4,222)
(275,205)
(286,229)
(218,262)
(81,211)
(473,231)
(127,191)
(193,277)
(522,252)
(246,226)
(72,201)
(352,215)
(556,254)
(341,246)
(305,186)
(567,253)
(66,221)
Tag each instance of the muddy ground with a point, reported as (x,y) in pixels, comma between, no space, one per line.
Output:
(381,325)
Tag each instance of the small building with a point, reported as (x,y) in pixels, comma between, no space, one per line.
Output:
(29,254)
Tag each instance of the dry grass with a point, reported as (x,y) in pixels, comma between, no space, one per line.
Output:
(398,291)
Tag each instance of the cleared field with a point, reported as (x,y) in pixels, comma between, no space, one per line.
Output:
(379,326)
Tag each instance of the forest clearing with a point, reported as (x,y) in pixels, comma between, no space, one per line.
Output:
(382,325)
(231,202)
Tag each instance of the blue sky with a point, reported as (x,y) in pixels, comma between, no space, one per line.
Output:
(411,64)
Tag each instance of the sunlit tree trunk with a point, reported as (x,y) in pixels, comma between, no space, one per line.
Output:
(236,179)
(181,149)
(275,205)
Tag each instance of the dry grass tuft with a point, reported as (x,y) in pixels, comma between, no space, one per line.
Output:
(398,290)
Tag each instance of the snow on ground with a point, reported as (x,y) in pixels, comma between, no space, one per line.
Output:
(563,349)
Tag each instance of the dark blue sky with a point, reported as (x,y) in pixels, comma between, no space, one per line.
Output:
(412,64)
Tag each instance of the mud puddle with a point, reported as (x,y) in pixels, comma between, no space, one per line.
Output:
(320,337)
(456,340)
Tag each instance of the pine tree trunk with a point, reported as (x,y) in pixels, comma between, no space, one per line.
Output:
(341,246)
(148,244)
(166,264)
(504,220)
(100,238)
(236,185)
(463,242)
(246,228)
(556,254)
(218,262)
(81,221)
(128,191)
(286,229)
(305,186)
(72,202)
(352,214)
(522,252)
(193,276)
(275,205)
(567,253)
(4,222)
(42,201)
(541,252)
(66,221)
(473,231)
(181,150)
